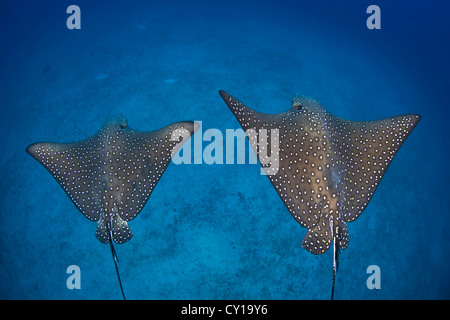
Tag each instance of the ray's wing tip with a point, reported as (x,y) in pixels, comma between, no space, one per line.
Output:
(233,104)
(226,96)
(415,118)
(418,117)
(197,125)
(222,93)
(32,149)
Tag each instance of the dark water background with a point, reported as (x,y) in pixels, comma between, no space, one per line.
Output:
(221,231)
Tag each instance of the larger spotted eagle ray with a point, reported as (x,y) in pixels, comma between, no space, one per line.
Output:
(329,167)
(111,175)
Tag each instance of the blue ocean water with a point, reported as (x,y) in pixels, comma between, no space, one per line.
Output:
(221,231)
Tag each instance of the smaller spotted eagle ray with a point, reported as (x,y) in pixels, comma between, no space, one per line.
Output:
(111,175)
(329,167)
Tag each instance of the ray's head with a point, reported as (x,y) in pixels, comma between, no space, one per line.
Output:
(117,122)
(299,103)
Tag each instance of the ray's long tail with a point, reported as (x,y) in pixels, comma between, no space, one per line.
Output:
(115,259)
(335,264)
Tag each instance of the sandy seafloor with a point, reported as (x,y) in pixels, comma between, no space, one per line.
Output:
(221,231)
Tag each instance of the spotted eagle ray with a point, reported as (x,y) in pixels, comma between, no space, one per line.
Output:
(111,175)
(329,167)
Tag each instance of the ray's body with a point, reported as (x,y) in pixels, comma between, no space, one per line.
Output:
(329,167)
(111,175)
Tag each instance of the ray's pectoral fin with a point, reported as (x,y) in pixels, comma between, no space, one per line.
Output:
(366,150)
